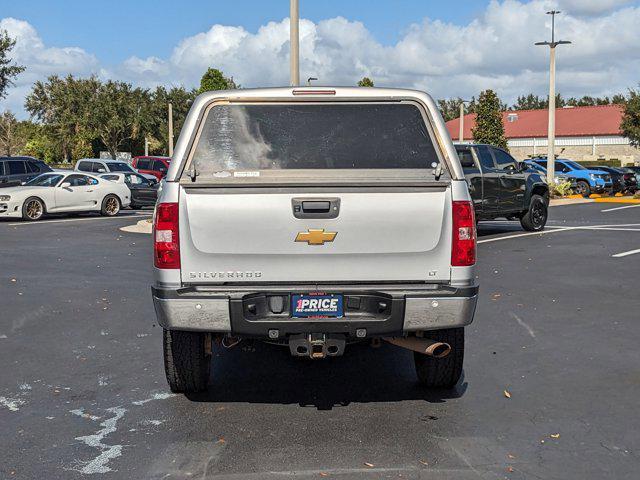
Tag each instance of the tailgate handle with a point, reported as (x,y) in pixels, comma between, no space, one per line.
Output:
(315,207)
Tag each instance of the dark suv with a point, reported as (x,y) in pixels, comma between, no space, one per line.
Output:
(17,170)
(500,186)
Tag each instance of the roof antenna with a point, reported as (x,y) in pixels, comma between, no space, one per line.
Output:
(311,79)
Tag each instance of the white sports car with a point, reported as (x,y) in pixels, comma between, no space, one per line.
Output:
(58,192)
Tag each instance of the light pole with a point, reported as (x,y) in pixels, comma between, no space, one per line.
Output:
(294,42)
(170,130)
(461,133)
(551,134)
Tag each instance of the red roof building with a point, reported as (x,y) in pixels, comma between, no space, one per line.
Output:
(582,133)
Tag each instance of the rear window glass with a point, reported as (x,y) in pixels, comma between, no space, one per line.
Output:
(314,136)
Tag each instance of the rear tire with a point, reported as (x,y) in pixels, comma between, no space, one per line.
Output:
(442,372)
(186,362)
(536,217)
(110,206)
(33,209)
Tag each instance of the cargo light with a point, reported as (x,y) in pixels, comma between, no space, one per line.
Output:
(166,241)
(314,92)
(463,245)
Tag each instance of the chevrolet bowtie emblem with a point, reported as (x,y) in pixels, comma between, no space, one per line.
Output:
(315,236)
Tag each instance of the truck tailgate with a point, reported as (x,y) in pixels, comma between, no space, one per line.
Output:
(382,234)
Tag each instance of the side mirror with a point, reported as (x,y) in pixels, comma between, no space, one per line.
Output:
(65,185)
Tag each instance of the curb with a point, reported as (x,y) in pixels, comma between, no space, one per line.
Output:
(630,200)
(143,226)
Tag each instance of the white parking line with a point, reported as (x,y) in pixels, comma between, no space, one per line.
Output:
(68,220)
(619,208)
(624,254)
(543,232)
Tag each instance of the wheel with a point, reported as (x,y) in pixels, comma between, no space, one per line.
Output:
(33,209)
(442,372)
(536,217)
(583,188)
(186,362)
(110,206)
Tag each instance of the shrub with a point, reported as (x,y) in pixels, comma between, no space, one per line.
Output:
(561,189)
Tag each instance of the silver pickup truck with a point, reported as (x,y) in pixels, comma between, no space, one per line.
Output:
(314,218)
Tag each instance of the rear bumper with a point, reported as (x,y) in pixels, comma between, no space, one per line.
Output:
(378,309)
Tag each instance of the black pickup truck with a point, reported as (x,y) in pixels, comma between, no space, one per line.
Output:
(500,186)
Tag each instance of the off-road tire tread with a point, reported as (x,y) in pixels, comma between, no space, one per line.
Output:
(186,363)
(526,222)
(442,372)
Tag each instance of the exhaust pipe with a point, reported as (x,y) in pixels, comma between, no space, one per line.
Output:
(425,346)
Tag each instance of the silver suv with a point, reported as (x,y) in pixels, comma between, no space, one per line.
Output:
(314,218)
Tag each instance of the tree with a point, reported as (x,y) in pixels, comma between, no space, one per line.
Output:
(530,102)
(489,127)
(39,142)
(450,107)
(8,70)
(117,114)
(365,82)
(618,99)
(630,124)
(156,128)
(214,79)
(66,107)
(11,139)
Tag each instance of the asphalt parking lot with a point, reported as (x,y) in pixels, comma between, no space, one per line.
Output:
(83,394)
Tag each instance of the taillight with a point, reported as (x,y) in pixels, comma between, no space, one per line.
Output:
(463,245)
(166,242)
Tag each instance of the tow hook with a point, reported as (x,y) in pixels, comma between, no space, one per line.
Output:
(316,345)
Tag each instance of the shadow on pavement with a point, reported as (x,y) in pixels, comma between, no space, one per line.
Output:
(262,373)
(493,228)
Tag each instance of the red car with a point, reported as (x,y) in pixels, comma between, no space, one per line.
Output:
(157,166)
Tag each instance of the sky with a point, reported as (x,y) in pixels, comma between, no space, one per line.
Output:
(449,49)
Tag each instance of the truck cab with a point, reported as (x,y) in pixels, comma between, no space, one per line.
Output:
(314,218)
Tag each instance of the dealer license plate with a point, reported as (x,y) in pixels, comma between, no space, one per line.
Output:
(318,306)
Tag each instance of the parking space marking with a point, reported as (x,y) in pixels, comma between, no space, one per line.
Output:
(69,220)
(527,234)
(619,208)
(624,227)
(624,254)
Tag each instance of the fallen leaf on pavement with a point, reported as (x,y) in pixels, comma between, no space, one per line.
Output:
(322,474)
(369,464)
(510,469)
(423,462)
(555,435)
(507,394)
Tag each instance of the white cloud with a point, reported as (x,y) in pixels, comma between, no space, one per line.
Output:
(40,60)
(495,50)
(590,7)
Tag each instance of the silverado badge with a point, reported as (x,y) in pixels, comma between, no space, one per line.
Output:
(314,236)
